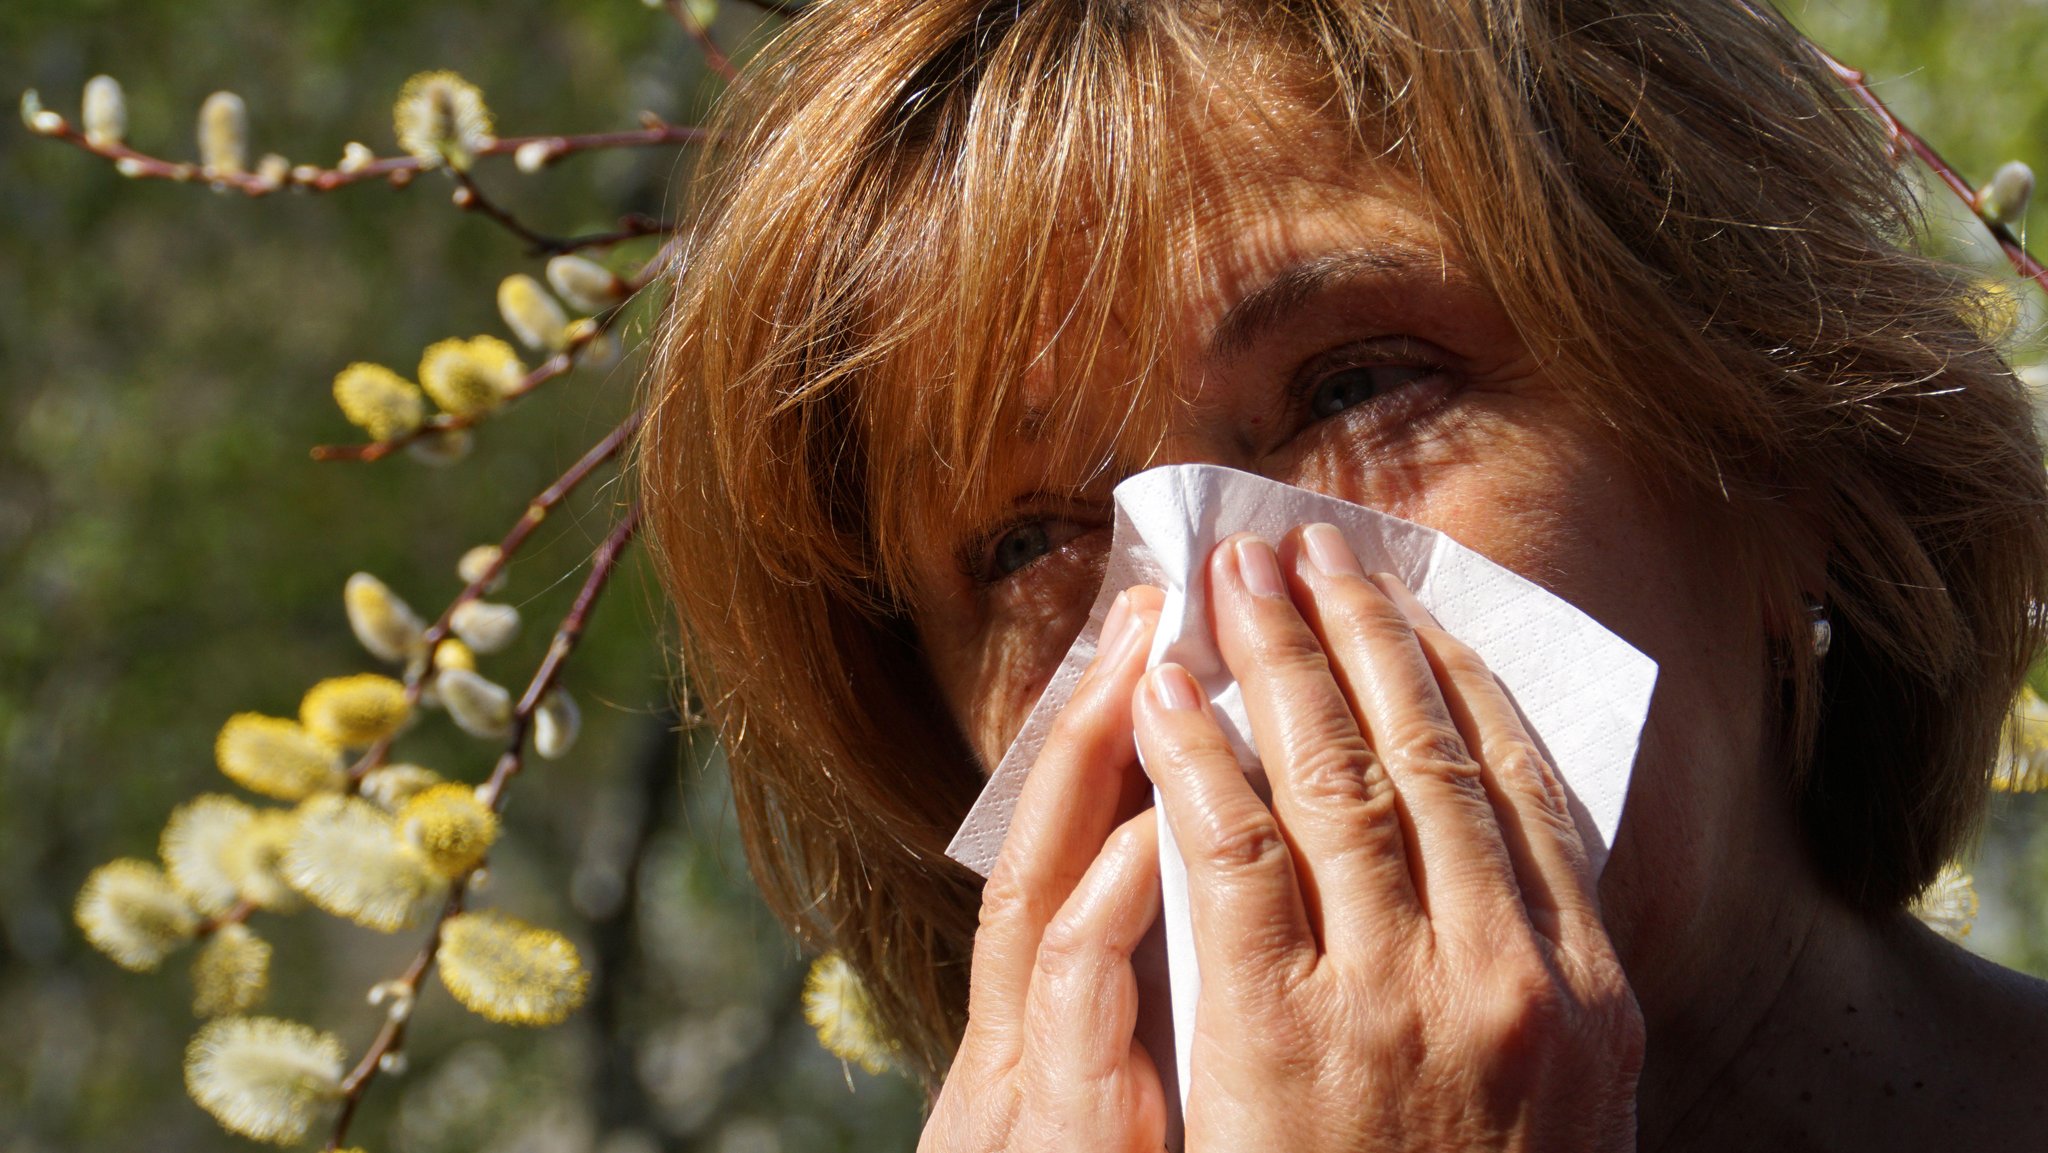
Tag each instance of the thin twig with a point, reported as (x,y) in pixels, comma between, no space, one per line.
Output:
(397,171)
(537,511)
(714,56)
(1858,82)
(390,1037)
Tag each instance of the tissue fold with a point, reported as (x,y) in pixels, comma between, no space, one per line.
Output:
(1583,691)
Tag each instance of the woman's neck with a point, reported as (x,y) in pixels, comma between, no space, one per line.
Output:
(1833,1029)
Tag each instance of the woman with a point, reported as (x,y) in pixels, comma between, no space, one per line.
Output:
(1609,292)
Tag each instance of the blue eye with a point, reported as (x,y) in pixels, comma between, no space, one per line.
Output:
(1347,387)
(1019,547)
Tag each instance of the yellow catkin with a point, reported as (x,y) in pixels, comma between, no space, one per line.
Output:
(196,847)
(469,378)
(533,315)
(1949,904)
(263,1078)
(384,624)
(355,711)
(449,827)
(348,859)
(441,118)
(379,401)
(2022,765)
(231,973)
(130,911)
(506,970)
(254,857)
(277,757)
(838,1006)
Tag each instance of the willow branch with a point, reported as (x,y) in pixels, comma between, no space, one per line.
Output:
(537,511)
(567,634)
(396,171)
(1858,82)
(390,1038)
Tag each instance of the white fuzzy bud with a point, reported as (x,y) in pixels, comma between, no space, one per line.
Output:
(478,561)
(224,133)
(556,724)
(105,113)
(2004,199)
(534,155)
(479,707)
(485,626)
(356,156)
(585,283)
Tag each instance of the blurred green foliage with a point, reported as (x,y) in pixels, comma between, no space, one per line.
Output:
(169,555)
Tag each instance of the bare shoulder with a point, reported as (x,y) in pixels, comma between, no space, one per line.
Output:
(1990,1037)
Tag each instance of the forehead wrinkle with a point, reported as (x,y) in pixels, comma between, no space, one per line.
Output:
(1305,279)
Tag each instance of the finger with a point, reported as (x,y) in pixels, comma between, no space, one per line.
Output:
(1067,807)
(1460,864)
(1243,897)
(1338,810)
(1082,1010)
(1529,799)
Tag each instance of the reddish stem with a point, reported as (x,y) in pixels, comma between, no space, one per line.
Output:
(1858,82)
(714,56)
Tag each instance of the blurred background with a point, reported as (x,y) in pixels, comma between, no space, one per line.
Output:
(169,556)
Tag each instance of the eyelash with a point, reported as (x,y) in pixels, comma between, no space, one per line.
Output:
(1396,353)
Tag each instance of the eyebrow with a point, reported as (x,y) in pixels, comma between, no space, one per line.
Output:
(1303,280)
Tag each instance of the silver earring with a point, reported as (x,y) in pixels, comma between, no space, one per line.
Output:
(1823,632)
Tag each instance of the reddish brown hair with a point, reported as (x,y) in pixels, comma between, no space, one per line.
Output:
(1670,200)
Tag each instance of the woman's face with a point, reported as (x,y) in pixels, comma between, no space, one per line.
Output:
(1337,342)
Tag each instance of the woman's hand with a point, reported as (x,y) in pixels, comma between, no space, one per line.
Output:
(1405,951)
(1048,1061)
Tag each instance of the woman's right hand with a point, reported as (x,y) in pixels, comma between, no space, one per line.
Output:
(1048,1060)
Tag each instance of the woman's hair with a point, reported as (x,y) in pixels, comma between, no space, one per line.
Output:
(1671,201)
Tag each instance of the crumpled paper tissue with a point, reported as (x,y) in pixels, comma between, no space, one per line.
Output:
(1584,692)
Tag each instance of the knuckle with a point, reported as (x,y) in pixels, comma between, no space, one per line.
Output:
(1246,839)
(1523,1011)
(1434,748)
(1068,951)
(1005,898)
(1521,766)
(1334,770)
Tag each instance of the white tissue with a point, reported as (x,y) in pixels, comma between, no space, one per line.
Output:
(1584,691)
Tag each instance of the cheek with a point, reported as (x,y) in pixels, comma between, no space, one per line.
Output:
(992,669)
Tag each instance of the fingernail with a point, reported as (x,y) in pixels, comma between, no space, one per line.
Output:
(1404,600)
(1258,566)
(1329,552)
(1174,689)
(1115,628)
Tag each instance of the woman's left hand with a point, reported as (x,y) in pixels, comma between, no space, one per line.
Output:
(1405,951)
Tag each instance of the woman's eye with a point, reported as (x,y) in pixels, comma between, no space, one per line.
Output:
(1019,547)
(1346,387)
